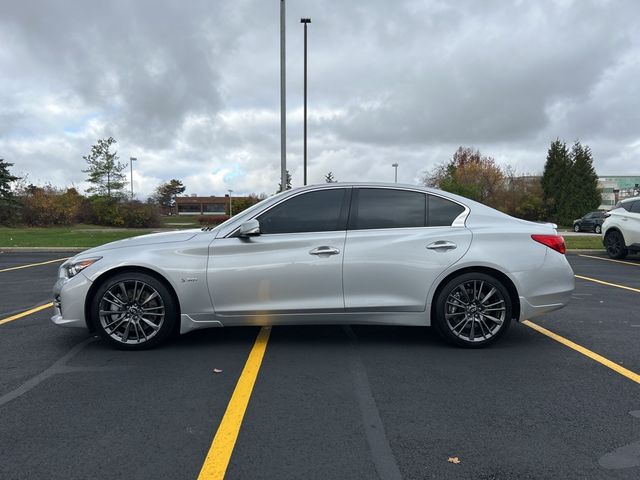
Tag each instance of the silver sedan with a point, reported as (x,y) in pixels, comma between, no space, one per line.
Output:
(326,254)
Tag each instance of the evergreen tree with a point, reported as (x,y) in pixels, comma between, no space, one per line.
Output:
(8,203)
(556,189)
(105,172)
(166,193)
(329,178)
(585,180)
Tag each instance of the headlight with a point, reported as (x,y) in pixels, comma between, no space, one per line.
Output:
(75,267)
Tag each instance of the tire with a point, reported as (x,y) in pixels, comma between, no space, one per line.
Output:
(451,318)
(614,243)
(598,229)
(576,228)
(134,311)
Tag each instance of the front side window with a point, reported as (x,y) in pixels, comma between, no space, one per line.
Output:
(387,208)
(442,212)
(320,211)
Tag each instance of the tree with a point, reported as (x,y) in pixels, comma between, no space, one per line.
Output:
(8,203)
(288,183)
(470,174)
(585,179)
(555,181)
(242,203)
(105,172)
(329,178)
(166,193)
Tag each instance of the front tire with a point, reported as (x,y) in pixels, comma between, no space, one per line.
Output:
(134,311)
(598,229)
(473,310)
(576,228)
(614,243)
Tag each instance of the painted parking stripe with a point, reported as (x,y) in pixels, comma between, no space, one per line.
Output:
(610,260)
(25,313)
(584,351)
(34,264)
(609,284)
(217,461)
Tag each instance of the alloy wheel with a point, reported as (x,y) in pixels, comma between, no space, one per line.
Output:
(475,311)
(131,312)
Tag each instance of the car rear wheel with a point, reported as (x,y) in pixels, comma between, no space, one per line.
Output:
(134,311)
(473,310)
(576,228)
(598,229)
(614,243)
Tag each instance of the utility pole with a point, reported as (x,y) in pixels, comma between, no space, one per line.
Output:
(283,101)
(305,21)
(230,204)
(131,160)
(395,165)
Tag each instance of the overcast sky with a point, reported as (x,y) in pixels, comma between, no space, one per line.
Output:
(191,88)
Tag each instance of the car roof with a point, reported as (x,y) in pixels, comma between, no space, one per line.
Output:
(630,199)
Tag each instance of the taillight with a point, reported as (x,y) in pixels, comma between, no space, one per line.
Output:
(555,242)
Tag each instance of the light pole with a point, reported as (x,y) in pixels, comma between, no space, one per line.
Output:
(305,21)
(283,102)
(230,204)
(131,160)
(395,165)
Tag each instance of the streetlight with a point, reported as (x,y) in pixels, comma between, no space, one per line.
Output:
(131,160)
(395,165)
(283,101)
(305,21)
(230,204)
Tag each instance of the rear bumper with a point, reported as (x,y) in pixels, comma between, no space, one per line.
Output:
(69,297)
(546,289)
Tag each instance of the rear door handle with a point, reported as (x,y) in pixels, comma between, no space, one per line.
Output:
(324,250)
(441,245)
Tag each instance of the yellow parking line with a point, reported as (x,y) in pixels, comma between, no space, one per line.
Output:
(215,465)
(25,313)
(610,260)
(586,352)
(33,264)
(637,290)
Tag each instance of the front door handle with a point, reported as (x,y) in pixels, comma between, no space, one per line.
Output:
(441,245)
(324,250)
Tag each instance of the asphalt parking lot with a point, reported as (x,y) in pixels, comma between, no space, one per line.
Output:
(329,402)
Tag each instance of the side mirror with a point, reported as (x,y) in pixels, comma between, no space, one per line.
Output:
(250,228)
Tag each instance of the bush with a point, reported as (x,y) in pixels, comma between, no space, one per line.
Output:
(117,213)
(212,219)
(45,206)
(105,211)
(141,215)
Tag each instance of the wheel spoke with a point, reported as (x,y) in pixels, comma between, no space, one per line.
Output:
(491,292)
(151,324)
(124,291)
(150,297)
(125,335)
(493,319)
(116,299)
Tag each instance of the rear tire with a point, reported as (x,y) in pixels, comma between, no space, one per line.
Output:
(134,311)
(598,229)
(473,310)
(614,243)
(576,228)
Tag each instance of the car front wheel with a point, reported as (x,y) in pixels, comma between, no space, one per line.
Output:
(133,311)
(598,229)
(473,310)
(576,228)
(614,243)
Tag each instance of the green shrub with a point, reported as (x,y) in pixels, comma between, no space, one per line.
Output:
(141,215)
(212,219)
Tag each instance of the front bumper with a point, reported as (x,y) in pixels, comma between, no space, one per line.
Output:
(69,299)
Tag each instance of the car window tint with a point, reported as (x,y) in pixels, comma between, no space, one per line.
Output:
(635,208)
(309,212)
(627,206)
(388,208)
(442,212)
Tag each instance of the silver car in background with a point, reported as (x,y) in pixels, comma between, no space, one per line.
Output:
(325,254)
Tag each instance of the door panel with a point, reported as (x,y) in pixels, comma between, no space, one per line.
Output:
(392,269)
(284,273)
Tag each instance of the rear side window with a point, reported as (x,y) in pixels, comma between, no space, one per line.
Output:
(442,212)
(320,211)
(387,208)
(635,208)
(627,205)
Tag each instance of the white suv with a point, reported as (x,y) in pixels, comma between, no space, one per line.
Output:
(621,228)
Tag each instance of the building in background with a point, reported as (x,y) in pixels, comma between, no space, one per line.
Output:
(617,187)
(195,205)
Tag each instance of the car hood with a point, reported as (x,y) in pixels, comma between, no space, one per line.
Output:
(149,239)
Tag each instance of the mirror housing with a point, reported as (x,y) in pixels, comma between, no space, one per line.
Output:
(250,228)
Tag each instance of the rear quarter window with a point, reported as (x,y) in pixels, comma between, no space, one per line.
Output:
(442,212)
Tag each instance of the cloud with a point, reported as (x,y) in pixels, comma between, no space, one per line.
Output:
(192,90)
